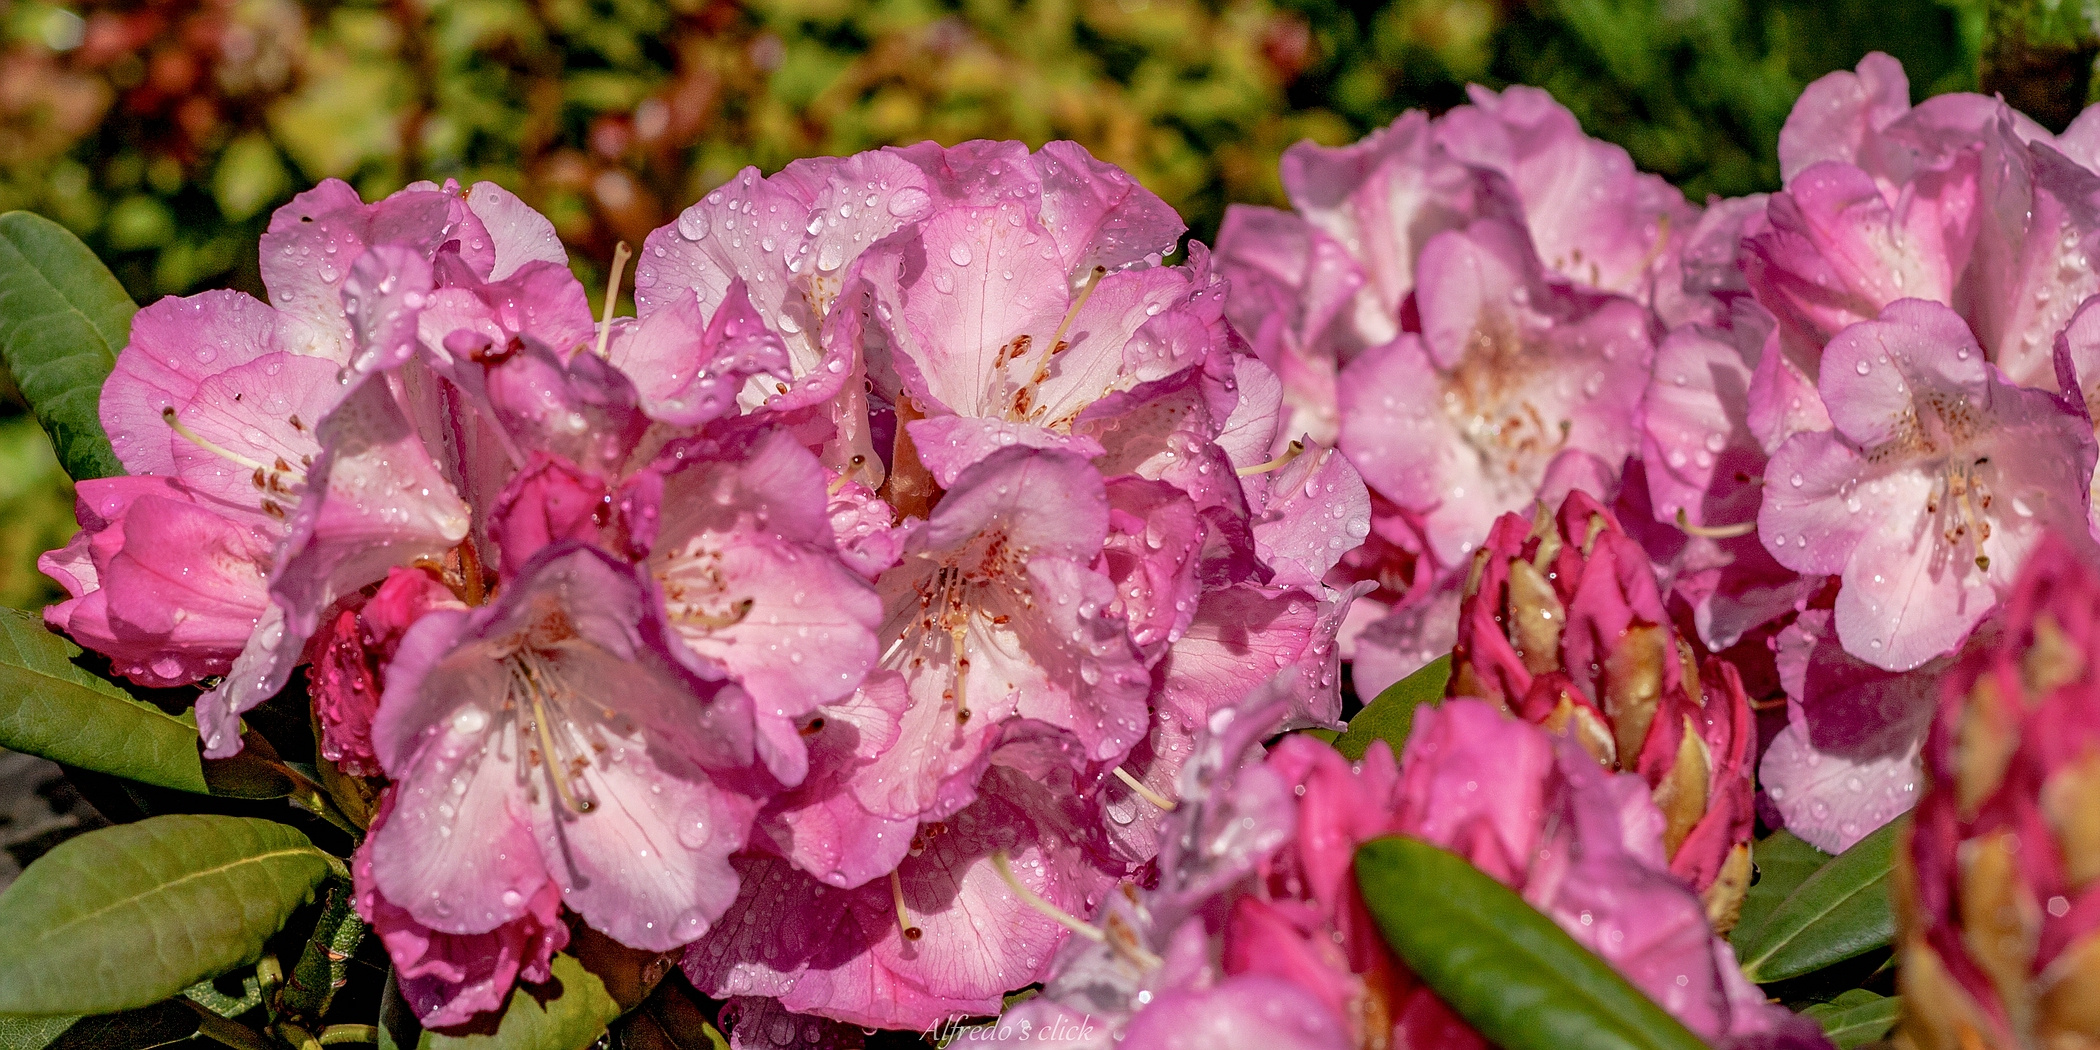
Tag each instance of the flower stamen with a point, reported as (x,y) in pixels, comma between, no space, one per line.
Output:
(1295,449)
(904,923)
(279,468)
(536,679)
(612,296)
(1035,901)
(1146,793)
(1714,532)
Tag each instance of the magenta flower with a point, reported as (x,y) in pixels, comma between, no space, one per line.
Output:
(1937,479)
(743,556)
(949,932)
(997,613)
(241,406)
(1596,221)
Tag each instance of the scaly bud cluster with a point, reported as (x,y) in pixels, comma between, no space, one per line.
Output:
(1562,624)
(1998,891)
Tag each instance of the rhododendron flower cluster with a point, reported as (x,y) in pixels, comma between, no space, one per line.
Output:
(1257,934)
(890,614)
(889,560)
(1837,418)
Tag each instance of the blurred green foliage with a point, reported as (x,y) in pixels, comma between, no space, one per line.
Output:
(165,131)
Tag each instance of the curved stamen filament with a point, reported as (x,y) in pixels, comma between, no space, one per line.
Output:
(612,296)
(904,923)
(1296,449)
(535,678)
(167,415)
(1714,532)
(1034,900)
(1086,291)
(1146,793)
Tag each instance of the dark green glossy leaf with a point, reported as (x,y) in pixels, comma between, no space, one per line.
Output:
(63,317)
(53,708)
(1513,974)
(1835,914)
(124,917)
(1391,716)
(566,1013)
(1856,1017)
(1783,861)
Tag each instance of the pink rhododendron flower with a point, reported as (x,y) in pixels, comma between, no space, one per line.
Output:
(554,726)
(1960,200)
(752,594)
(1938,477)
(1516,390)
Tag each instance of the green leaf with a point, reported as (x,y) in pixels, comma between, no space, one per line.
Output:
(1391,716)
(1856,1017)
(63,317)
(566,1013)
(1508,970)
(1783,860)
(127,916)
(32,1033)
(53,708)
(1837,913)
(147,1027)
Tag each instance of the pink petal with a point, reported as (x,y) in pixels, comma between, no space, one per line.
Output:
(447,978)
(948,445)
(518,233)
(177,343)
(1312,511)
(1097,213)
(1838,115)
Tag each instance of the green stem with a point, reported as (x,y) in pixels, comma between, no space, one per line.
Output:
(298,1037)
(338,1034)
(324,965)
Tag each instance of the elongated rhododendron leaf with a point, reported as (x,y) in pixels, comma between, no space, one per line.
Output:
(51,707)
(1391,716)
(128,916)
(63,317)
(1783,861)
(1837,913)
(1856,1017)
(1513,974)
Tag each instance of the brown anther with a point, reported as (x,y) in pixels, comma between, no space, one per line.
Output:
(271,508)
(815,726)
(260,479)
(296,425)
